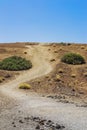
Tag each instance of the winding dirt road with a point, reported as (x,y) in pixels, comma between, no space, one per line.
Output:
(15,103)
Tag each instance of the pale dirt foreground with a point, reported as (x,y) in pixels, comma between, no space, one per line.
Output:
(16,104)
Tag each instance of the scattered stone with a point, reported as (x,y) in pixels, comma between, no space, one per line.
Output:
(37,127)
(49,121)
(26,118)
(14,125)
(81,105)
(65,101)
(37,119)
(50,96)
(40,123)
(20,121)
(58,126)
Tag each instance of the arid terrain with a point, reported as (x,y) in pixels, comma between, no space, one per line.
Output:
(58,95)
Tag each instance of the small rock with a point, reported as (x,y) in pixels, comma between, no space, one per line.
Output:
(20,121)
(37,127)
(37,119)
(41,122)
(26,118)
(49,121)
(53,126)
(12,122)
(58,126)
(14,125)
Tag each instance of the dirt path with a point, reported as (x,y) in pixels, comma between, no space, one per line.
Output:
(40,67)
(17,104)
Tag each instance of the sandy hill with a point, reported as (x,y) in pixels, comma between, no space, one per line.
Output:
(73,78)
(58,93)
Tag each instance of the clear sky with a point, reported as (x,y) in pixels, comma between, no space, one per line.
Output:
(43,20)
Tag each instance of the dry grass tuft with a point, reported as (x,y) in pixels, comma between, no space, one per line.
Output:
(73,75)
(58,77)
(24,86)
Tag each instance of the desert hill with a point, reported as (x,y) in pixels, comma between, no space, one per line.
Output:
(57,88)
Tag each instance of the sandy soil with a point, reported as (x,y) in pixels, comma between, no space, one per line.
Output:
(17,104)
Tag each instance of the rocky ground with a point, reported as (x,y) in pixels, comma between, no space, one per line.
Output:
(37,123)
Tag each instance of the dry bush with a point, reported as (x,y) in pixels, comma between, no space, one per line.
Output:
(24,86)
(58,77)
(82,47)
(52,60)
(85,74)
(60,70)
(73,75)
(2,79)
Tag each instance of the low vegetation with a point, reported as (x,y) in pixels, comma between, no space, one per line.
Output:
(60,70)
(24,86)
(73,75)
(1,79)
(15,63)
(58,77)
(72,58)
(85,74)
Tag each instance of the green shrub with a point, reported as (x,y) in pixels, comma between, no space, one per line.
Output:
(15,63)
(72,58)
(62,43)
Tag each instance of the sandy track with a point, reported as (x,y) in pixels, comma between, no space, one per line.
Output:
(24,104)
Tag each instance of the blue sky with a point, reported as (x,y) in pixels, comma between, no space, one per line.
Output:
(43,20)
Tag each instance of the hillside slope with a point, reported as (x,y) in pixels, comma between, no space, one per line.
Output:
(16,104)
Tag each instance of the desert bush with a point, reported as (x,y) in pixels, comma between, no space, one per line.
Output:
(62,43)
(49,49)
(68,44)
(1,79)
(60,49)
(52,60)
(24,86)
(85,74)
(55,51)
(58,78)
(25,52)
(72,58)
(15,63)
(82,47)
(60,70)
(73,75)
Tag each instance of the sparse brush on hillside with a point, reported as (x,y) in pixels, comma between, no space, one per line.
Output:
(24,86)
(15,63)
(72,58)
